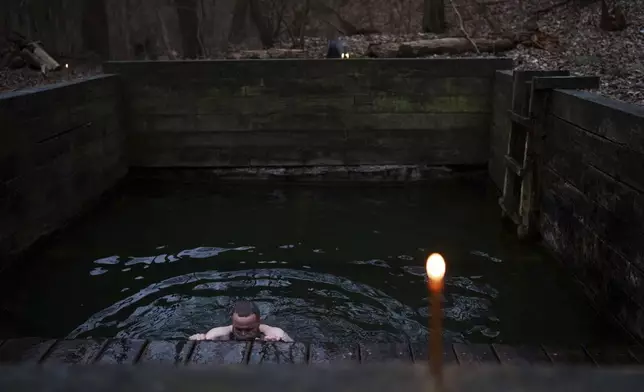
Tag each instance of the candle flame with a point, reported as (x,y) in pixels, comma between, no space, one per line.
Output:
(435,266)
(66,65)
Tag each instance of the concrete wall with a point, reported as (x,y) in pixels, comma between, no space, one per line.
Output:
(501,125)
(60,148)
(593,198)
(308,112)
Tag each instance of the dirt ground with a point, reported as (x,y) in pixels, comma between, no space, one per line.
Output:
(574,42)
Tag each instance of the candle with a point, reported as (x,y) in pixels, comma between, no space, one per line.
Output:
(435,272)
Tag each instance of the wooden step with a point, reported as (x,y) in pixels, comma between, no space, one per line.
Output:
(524,121)
(514,166)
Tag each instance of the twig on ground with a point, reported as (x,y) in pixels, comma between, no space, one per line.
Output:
(460,21)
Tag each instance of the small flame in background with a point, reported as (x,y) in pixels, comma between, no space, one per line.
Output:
(345,55)
(435,266)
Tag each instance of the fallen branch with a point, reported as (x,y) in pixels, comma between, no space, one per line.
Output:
(451,45)
(35,55)
(21,51)
(462,26)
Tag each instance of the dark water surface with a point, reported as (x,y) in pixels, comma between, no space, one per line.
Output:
(324,263)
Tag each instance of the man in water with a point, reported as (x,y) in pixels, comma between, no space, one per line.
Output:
(246,325)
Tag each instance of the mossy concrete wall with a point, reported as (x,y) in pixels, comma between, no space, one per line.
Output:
(256,113)
(60,148)
(592,193)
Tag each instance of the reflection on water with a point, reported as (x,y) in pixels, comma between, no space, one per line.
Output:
(324,264)
(328,305)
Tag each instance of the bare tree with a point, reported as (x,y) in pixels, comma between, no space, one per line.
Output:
(95,28)
(189,26)
(612,17)
(251,11)
(434,16)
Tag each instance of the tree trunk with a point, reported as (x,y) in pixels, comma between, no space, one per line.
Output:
(95,30)
(265,33)
(188,24)
(434,16)
(238,26)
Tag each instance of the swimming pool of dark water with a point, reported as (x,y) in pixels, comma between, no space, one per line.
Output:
(324,263)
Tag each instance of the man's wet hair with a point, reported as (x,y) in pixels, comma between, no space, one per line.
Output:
(245,309)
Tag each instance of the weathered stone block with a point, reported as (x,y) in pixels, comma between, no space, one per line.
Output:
(91,112)
(638,353)
(564,234)
(408,121)
(229,149)
(46,126)
(331,353)
(221,122)
(521,355)
(420,352)
(621,228)
(607,356)
(618,160)
(436,147)
(601,264)
(167,352)
(400,84)
(121,351)
(616,121)
(12,165)
(278,353)
(385,352)
(48,151)
(52,130)
(474,354)
(220,353)
(76,351)
(273,103)
(25,350)
(92,89)
(160,99)
(387,103)
(568,355)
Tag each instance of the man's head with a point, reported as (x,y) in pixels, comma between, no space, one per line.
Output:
(246,321)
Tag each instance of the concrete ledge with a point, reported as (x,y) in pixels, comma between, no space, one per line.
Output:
(371,378)
(119,351)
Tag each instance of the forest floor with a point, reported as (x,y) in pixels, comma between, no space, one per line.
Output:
(575,43)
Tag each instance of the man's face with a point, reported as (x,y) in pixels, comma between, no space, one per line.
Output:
(245,328)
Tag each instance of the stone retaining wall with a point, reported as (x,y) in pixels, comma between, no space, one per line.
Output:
(60,148)
(593,199)
(592,193)
(268,113)
(118,351)
(501,125)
